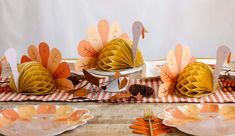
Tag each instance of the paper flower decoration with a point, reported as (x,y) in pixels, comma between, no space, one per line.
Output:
(51,60)
(99,38)
(176,61)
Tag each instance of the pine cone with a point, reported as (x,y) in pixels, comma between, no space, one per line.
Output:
(142,89)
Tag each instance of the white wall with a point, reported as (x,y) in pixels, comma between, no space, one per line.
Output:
(201,24)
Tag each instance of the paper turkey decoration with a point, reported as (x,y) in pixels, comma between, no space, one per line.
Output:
(108,49)
(42,70)
(176,61)
(188,78)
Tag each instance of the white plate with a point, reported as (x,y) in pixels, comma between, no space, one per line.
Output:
(41,120)
(112,73)
(201,119)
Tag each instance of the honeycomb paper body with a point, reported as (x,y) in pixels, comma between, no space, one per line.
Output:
(116,55)
(34,79)
(196,80)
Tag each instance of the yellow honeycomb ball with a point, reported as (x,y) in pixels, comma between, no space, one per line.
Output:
(34,79)
(196,80)
(117,55)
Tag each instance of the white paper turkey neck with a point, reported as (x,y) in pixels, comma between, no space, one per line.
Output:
(11,57)
(137,28)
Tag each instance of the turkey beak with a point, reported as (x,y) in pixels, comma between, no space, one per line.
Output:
(229,58)
(143,32)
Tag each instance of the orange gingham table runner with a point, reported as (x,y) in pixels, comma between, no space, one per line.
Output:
(103,96)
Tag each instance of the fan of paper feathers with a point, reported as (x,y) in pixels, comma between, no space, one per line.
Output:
(140,126)
(51,60)
(176,61)
(97,39)
(188,78)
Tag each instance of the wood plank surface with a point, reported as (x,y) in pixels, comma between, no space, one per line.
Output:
(110,119)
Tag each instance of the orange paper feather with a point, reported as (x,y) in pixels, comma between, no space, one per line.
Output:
(166,88)
(93,37)
(54,60)
(25,59)
(115,31)
(64,84)
(62,71)
(44,53)
(34,54)
(172,63)
(185,58)
(166,75)
(85,63)
(85,49)
(103,28)
(178,54)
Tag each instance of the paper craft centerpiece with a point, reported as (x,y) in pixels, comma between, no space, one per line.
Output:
(41,73)
(186,77)
(34,79)
(108,49)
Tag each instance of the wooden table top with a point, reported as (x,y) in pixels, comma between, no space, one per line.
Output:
(110,119)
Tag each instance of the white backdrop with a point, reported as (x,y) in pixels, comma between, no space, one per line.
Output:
(201,24)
